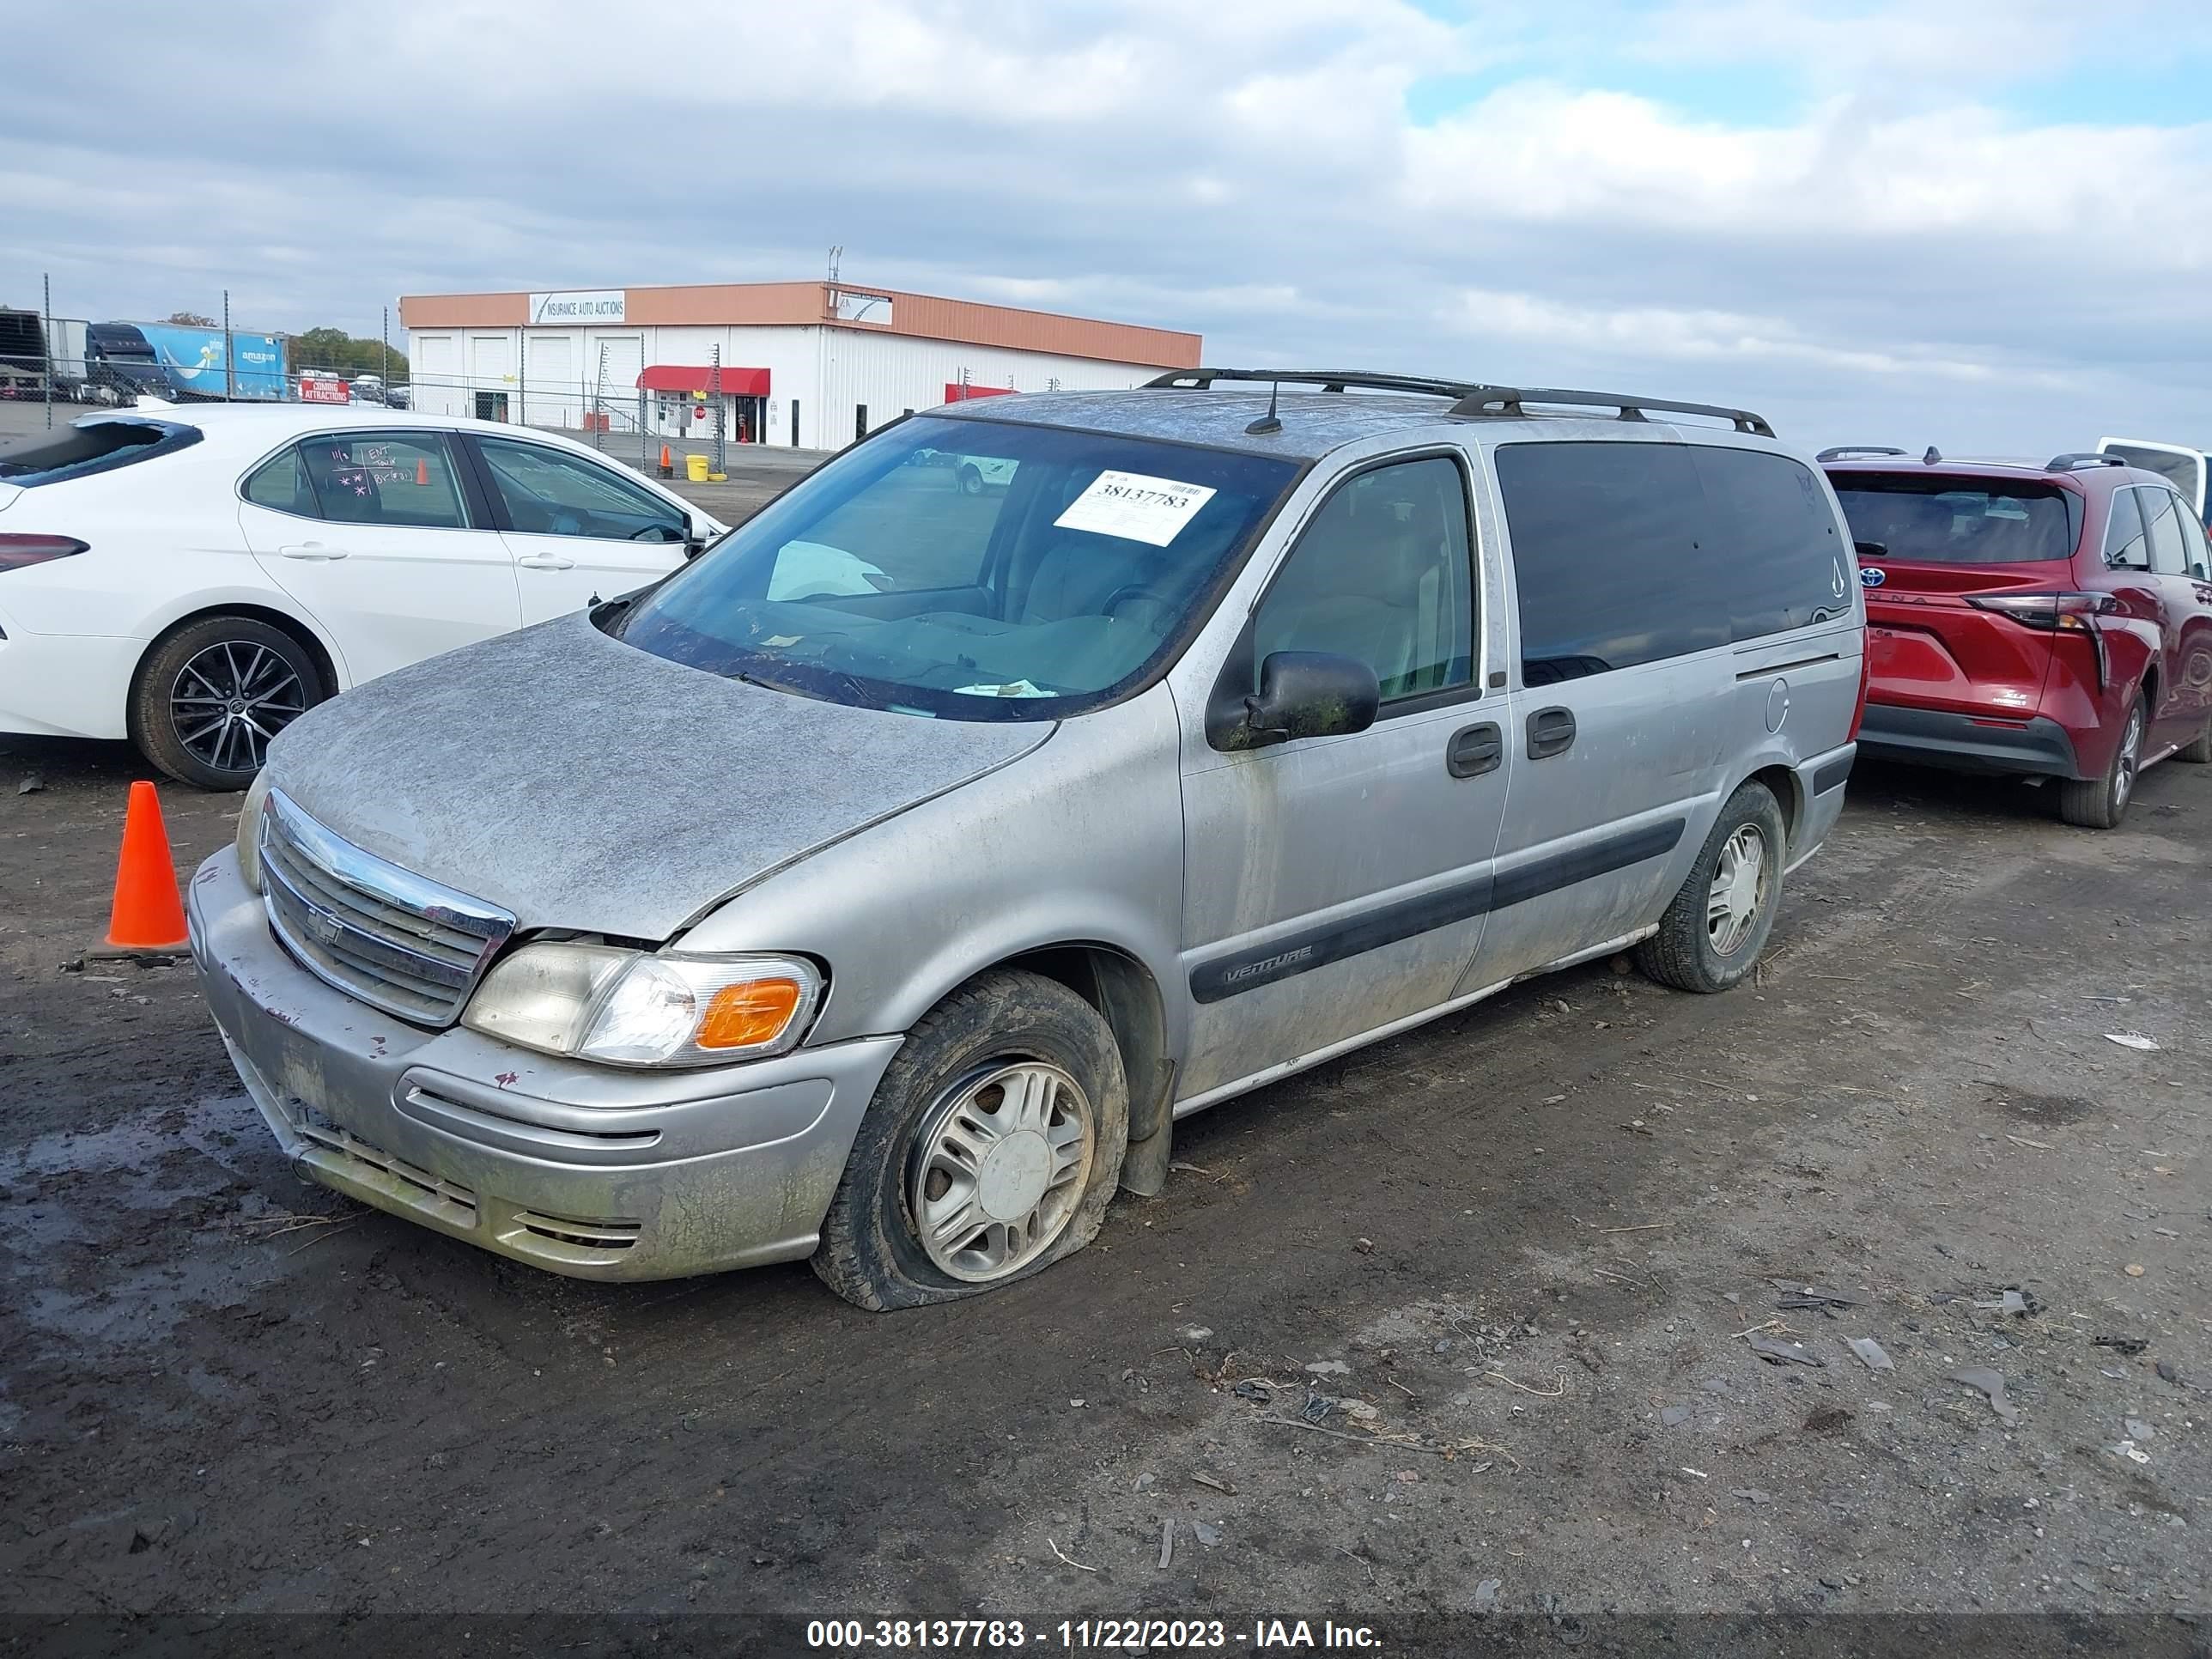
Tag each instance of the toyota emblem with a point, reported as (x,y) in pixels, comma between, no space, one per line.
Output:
(1871,577)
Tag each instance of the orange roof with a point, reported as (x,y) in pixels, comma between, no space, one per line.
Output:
(810,304)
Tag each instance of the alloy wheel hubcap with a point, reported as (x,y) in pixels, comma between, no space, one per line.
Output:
(2123,780)
(1739,889)
(999,1168)
(229,700)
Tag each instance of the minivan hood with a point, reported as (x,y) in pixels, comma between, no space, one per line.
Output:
(584,784)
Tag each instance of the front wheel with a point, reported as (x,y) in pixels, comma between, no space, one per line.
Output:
(1713,931)
(971,481)
(210,697)
(2101,803)
(990,1150)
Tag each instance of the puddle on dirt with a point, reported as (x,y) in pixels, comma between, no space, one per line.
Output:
(2050,1110)
(116,1236)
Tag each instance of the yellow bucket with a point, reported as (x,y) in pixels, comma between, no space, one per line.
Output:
(695,468)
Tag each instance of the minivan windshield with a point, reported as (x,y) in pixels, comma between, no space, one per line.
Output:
(971,568)
(1949,520)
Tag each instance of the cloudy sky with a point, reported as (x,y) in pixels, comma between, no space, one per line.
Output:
(1985,224)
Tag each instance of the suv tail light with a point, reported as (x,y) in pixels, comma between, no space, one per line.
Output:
(2056,613)
(2068,611)
(19,552)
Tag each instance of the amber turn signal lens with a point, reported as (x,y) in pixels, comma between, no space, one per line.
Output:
(747,1014)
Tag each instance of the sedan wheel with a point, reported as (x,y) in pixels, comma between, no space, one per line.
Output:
(229,701)
(210,698)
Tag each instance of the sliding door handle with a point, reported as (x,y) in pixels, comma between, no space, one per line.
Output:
(1550,731)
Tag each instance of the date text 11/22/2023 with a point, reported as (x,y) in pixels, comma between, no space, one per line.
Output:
(1107,1635)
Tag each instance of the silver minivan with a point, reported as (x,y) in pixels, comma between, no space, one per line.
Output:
(881,886)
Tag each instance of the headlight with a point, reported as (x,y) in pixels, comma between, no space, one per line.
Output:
(249,830)
(627,1008)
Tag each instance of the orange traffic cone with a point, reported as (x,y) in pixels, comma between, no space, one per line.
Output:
(421,470)
(667,463)
(148,917)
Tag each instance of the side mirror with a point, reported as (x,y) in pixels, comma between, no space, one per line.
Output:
(1310,693)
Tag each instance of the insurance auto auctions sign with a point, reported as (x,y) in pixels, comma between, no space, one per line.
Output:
(598,305)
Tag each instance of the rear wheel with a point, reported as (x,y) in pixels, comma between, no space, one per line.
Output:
(1713,931)
(971,479)
(210,697)
(2198,749)
(2101,803)
(990,1151)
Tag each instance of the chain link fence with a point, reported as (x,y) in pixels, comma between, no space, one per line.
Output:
(71,365)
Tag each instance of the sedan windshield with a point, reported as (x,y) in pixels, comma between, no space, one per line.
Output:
(975,569)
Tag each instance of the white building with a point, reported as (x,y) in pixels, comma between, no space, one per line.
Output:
(812,365)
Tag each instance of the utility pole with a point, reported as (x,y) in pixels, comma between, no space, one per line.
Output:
(599,420)
(714,393)
(385,362)
(229,374)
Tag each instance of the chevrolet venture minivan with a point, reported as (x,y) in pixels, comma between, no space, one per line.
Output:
(880,887)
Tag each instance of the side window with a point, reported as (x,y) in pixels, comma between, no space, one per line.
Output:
(281,483)
(548,493)
(2162,511)
(2123,533)
(1382,572)
(1783,559)
(2194,551)
(1612,556)
(405,479)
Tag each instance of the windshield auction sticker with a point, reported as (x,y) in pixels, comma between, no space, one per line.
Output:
(1135,507)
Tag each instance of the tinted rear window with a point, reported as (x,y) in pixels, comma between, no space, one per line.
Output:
(1626,553)
(1939,521)
(96,446)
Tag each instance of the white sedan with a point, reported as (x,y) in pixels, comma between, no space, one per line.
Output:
(195,577)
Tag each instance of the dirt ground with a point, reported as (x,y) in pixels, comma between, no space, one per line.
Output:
(1453,1324)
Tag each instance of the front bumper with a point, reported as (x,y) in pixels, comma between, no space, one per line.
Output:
(588,1170)
(1930,736)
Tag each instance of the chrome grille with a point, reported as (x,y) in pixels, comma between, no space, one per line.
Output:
(393,938)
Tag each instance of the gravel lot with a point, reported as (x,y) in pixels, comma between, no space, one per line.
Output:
(1455,1322)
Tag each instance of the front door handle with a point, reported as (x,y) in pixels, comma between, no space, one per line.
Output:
(1550,731)
(311,552)
(546,562)
(1474,750)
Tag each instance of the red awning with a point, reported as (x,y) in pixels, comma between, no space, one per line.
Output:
(687,380)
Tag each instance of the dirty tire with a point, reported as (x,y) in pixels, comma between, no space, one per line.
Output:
(152,723)
(1681,953)
(2198,752)
(870,1252)
(2101,803)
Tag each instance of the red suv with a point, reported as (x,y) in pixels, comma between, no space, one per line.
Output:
(2051,621)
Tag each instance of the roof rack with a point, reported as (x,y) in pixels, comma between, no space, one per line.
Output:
(1845,452)
(1473,399)
(2074,460)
